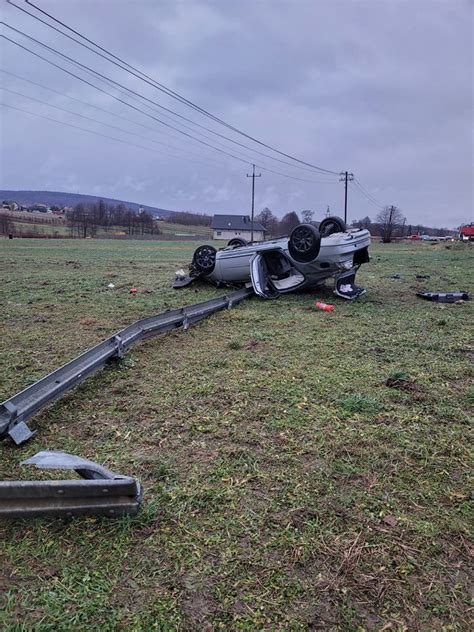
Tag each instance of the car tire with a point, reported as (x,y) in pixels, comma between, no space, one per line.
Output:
(331,225)
(204,259)
(237,241)
(304,243)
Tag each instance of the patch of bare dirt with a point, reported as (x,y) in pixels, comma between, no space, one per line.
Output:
(197,602)
(88,321)
(403,384)
(255,345)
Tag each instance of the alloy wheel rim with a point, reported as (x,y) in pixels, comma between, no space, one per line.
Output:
(302,240)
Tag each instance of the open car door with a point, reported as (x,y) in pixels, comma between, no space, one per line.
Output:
(260,277)
(345,286)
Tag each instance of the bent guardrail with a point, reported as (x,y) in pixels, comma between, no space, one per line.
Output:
(15,411)
(99,492)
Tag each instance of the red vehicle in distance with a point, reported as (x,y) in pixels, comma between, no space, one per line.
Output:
(466,232)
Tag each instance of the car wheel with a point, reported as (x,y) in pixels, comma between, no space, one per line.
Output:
(205,259)
(237,241)
(304,243)
(331,225)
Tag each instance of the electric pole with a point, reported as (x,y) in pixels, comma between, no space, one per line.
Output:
(253,176)
(345,177)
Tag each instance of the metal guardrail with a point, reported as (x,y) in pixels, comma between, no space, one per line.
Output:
(100,492)
(15,411)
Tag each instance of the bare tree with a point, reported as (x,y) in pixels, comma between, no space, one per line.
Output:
(307,216)
(264,217)
(288,222)
(81,221)
(389,219)
(268,221)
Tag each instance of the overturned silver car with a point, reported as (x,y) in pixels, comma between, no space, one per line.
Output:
(306,258)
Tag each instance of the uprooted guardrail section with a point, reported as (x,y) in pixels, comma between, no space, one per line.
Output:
(99,492)
(15,412)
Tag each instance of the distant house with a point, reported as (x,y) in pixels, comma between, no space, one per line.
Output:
(38,208)
(10,205)
(229,226)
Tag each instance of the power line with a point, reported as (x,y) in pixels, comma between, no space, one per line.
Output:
(103,77)
(90,104)
(213,163)
(68,96)
(143,77)
(115,84)
(356,188)
(89,131)
(96,107)
(285,175)
(122,101)
(246,161)
(367,193)
(95,73)
(88,118)
(369,200)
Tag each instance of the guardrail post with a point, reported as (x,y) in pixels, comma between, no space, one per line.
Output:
(119,346)
(20,432)
(17,430)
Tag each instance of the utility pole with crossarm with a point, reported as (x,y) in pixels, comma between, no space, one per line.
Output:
(345,177)
(253,176)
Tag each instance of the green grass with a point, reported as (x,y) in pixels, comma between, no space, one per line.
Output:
(287,486)
(202,232)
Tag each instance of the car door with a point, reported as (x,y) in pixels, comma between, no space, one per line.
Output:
(261,278)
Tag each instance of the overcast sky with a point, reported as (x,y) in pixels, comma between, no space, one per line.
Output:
(381,88)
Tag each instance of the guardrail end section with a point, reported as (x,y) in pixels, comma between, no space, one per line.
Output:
(99,492)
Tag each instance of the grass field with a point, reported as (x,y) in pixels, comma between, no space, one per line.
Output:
(202,232)
(287,487)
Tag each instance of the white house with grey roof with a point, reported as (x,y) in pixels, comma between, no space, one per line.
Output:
(230,226)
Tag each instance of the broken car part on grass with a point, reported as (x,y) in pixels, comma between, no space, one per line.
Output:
(305,259)
(444,297)
(99,492)
(15,411)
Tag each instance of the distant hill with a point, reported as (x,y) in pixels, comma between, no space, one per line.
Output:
(60,198)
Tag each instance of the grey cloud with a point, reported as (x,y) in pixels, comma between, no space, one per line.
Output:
(380,88)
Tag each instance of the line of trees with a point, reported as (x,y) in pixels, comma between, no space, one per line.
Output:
(390,223)
(276,227)
(86,219)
